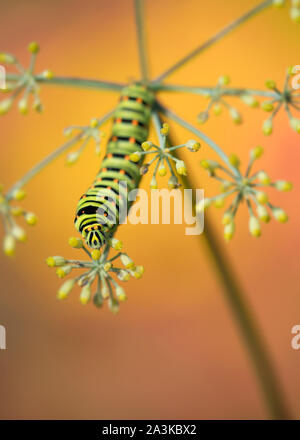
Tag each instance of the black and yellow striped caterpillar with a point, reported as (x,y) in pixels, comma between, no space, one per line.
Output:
(98,210)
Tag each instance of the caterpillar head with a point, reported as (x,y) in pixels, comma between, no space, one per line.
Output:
(94,238)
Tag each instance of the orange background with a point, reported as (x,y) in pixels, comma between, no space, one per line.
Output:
(173,351)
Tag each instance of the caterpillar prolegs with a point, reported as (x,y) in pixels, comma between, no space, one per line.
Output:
(98,210)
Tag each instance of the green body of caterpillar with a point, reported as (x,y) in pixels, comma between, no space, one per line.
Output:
(99,209)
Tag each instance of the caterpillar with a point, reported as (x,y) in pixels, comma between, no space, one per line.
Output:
(98,210)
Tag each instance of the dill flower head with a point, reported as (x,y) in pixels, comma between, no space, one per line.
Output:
(8,213)
(163,158)
(25,86)
(288,98)
(83,135)
(100,270)
(248,188)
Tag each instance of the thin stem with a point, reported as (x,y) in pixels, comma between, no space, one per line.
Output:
(52,156)
(215,38)
(211,91)
(201,135)
(242,313)
(140,30)
(72,82)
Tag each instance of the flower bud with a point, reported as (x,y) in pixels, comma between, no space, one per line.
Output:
(23,106)
(96,254)
(224,80)
(282,185)
(162,171)
(202,117)
(75,242)
(192,145)
(267,127)
(72,157)
(295,14)
(19,233)
(264,178)
(61,272)
(120,292)
(33,47)
(165,129)
(254,226)
(261,197)
(9,245)
(267,106)
(47,74)
(116,244)
(56,261)
(113,305)
(146,146)
(153,183)
(5,106)
(181,168)
(7,58)
(235,115)
(249,100)
(19,194)
(65,289)
(270,84)
(280,215)
(229,231)
(256,153)
(227,218)
(234,160)
(135,157)
(123,275)
(295,124)
(263,214)
(85,294)
(173,182)
(127,262)
(217,109)
(31,218)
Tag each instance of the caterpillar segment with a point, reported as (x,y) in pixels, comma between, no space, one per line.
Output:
(99,209)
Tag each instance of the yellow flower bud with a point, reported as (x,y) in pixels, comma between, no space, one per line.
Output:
(107,266)
(85,294)
(55,261)
(75,242)
(113,305)
(146,146)
(227,218)
(249,100)
(162,171)
(202,205)
(120,292)
(268,127)
(254,226)
(23,106)
(295,14)
(31,218)
(256,153)
(127,262)
(65,289)
(19,194)
(192,145)
(153,183)
(263,214)
(33,47)
(267,106)
(264,178)
(16,211)
(229,231)
(116,244)
(181,168)
(217,109)
(280,215)
(72,157)
(9,245)
(123,275)
(295,124)
(282,185)
(234,160)
(96,254)
(219,202)
(270,84)
(261,197)
(7,58)
(94,123)
(235,115)
(19,233)
(224,80)
(47,74)
(5,106)
(135,157)
(63,271)
(165,129)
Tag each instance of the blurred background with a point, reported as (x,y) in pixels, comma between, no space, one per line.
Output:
(173,351)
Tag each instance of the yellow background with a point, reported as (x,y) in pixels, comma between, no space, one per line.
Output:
(173,351)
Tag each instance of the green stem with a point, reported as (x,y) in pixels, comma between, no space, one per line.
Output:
(215,38)
(211,91)
(71,82)
(52,156)
(249,331)
(201,135)
(140,29)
